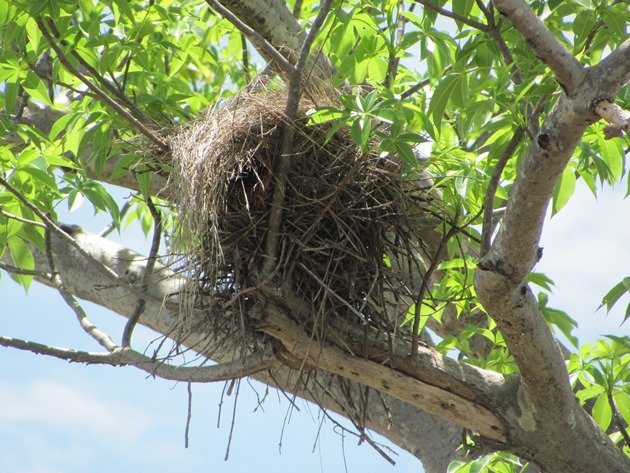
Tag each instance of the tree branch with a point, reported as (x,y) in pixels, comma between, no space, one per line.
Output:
(256,37)
(146,276)
(618,118)
(284,161)
(568,71)
(493,185)
(455,16)
(99,93)
(127,357)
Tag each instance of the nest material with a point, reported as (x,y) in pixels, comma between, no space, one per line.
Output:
(348,245)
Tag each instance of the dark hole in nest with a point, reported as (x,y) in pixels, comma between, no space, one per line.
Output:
(348,245)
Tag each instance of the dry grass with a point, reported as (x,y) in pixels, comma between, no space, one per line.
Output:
(348,247)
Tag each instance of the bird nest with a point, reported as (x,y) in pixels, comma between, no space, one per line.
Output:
(348,245)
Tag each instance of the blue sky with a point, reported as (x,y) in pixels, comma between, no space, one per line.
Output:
(57,417)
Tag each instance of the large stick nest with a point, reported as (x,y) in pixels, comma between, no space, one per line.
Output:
(348,245)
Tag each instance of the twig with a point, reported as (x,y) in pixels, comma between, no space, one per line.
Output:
(245,56)
(453,15)
(116,92)
(110,228)
(421,84)
(141,127)
(26,272)
(148,271)
(128,357)
(254,36)
(426,280)
(48,223)
(17,218)
(495,31)
(293,101)
(619,422)
(493,185)
(394,61)
(233,422)
(97,334)
(568,71)
(188,414)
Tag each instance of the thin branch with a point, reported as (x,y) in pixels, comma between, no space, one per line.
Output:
(493,185)
(17,218)
(619,422)
(26,272)
(188,414)
(141,127)
(245,57)
(495,31)
(614,70)
(112,226)
(126,356)
(148,271)
(59,231)
(284,162)
(421,84)
(568,71)
(455,16)
(97,334)
(426,279)
(254,36)
(116,92)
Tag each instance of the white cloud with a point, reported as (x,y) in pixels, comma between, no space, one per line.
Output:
(71,410)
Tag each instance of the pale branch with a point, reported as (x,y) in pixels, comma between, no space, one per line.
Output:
(148,271)
(254,36)
(127,357)
(548,403)
(117,107)
(316,354)
(568,71)
(618,118)
(284,161)
(493,184)
(405,425)
(613,71)
(455,16)
(97,334)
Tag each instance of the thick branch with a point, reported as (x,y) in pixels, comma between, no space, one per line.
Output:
(567,70)
(405,425)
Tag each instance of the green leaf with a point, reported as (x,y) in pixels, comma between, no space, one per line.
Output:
(602,413)
(618,290)
(441,96)
(22,258)
(564,190)
(144,182)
